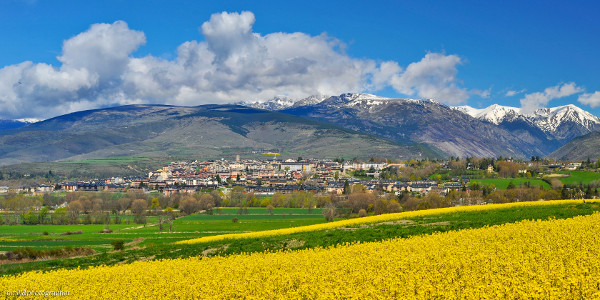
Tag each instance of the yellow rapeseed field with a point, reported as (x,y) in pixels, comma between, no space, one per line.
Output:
(552,259)
(376,219)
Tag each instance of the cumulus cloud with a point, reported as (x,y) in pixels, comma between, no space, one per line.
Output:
(536,100)
(232,63)
(434,77)
(591,99)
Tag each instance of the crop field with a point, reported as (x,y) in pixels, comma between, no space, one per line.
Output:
(53,236)
(502,183)
(552,258)
(576,177)
(147,243)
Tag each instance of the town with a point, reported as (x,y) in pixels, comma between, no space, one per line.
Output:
(268,176)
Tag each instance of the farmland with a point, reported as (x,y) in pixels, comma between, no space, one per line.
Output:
(555,257)
(146,242)
(502,183)
(576,177)
(197,225)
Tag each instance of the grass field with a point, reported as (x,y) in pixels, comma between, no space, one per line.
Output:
(576,177)
(257,219)
(502,183)
(148,243)
(109,160)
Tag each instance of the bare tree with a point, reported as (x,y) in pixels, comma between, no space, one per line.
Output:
(329,212)
(75,208)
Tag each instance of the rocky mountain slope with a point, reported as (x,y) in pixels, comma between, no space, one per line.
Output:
(580,148)
(458,131)
(207,131)
(425,121)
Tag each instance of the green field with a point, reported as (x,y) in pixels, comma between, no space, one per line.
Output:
(502,183)
(148,243)
(576,177)
(12,237)
(110,160)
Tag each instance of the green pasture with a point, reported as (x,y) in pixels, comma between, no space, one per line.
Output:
(109,160)
(192,226)
(576,177)
(502,183)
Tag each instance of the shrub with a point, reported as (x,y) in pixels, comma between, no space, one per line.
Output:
(362,213)
(118,245)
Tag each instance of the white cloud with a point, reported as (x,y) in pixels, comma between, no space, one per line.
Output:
(233,63)
(104,49)
(434,77)
(591,99)
(533,101)
(481,93)
(514,93)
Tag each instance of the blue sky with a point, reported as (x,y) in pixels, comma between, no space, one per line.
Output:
(519,53)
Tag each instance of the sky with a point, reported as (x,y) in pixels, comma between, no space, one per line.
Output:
(62,56)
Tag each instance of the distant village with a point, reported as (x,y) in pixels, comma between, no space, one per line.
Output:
(272,175)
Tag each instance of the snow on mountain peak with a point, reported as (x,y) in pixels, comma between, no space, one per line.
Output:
(29,120)
(494,113)
(547,119)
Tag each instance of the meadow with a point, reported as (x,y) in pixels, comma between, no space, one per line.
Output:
(197,225)
(502,183)
(576,177)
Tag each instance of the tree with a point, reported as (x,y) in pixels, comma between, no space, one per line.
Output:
(360,200)
(188,205)
(206,202)
(75,209)
(30,218)
(123,203)
(237,196)
(346,188)
(277,200)
(60,216)
(155,205)
(329,212)
(139,206)
(42,215)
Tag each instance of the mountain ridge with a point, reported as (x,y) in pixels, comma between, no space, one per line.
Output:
(205,131)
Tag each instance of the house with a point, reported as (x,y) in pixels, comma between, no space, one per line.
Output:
(44,188)
(69,186)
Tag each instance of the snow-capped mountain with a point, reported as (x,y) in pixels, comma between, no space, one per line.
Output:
(345,100)
(459,131)
(494,113)
(550,120)
(277,103)
(423,121)
(12,124)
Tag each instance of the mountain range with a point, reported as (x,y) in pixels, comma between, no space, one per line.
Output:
(458,131)
(348,125)
(202,132)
